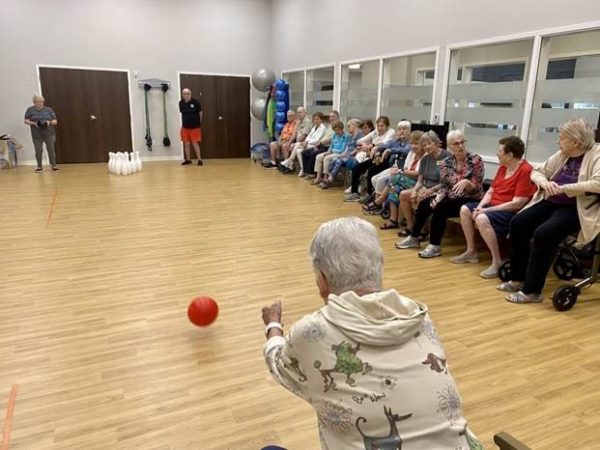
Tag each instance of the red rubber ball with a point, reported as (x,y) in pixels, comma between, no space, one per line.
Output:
(203,311)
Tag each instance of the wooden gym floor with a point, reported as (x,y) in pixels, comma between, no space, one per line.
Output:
(97,272)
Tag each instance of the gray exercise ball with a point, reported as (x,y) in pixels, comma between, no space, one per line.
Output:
(259,108)
(262,79)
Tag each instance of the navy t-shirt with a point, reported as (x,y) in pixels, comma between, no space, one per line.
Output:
(190,113)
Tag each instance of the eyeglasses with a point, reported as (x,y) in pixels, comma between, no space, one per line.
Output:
(463,142)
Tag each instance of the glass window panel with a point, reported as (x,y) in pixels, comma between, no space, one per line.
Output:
(319,90)
(408,87)
(296,82)
(567,86)
(486,92)
(358,96)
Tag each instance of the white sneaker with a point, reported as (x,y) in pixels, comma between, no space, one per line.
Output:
(408,242)
(301,173)
(348,191)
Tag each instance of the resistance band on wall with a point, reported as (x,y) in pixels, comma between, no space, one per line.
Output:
(148,137)
(165,88)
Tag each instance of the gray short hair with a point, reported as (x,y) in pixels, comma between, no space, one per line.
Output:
(454,135)
(354,121)
(404,124)
(430,136)
(37,96)
(347,251)
(580,131)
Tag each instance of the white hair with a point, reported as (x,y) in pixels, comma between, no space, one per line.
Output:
(354,121)
(348,253)
(184,90)
(291,111)
(454,135)
(38,97)
(404,124)
(580,131)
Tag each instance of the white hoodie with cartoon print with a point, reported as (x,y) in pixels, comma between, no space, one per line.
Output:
(374,370)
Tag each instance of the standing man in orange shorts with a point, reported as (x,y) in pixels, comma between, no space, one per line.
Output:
(191,119)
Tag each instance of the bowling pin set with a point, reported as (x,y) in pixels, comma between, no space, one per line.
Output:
(124,163)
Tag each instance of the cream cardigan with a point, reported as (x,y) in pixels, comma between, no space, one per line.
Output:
(588,182)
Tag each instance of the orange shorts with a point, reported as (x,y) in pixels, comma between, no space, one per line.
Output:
(191,134)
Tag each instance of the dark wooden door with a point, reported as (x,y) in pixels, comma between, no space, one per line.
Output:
(226,113)
(92,107)
(233,120)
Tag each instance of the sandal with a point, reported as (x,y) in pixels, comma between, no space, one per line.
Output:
(324,185)
(521,298)
(372,206)
(389,225)
(507,286)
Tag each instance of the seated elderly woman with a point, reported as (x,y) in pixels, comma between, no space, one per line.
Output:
(510,191)
(460,177)
(355,132)
(338,145)
(561,206)
(312,140)
(370,145)
(402,179)
(284,143)
(431,144)
(369,361)
(309,156)
(394,154)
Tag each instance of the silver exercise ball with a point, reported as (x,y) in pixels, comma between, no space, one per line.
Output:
(262,79)
(259,108)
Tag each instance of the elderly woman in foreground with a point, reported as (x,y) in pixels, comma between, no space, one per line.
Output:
(562,205)
(369,361)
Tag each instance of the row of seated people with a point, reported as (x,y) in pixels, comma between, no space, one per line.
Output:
(415,176)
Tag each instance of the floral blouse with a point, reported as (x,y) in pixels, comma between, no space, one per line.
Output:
(472,170)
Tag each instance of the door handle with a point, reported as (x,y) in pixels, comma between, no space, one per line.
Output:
(93,117)
(220,118)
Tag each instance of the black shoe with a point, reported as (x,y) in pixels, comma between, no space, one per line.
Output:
(200,162)
(186,162)
(38,170)
(270,166)
(55,169)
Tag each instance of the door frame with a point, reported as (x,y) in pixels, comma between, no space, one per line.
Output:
(104,69)
(214,74)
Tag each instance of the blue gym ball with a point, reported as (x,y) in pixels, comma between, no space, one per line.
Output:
(281,84)
(280,95)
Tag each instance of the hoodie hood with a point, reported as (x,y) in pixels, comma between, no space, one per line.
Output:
(379,319)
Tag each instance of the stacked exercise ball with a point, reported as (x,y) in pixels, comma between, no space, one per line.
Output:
(262,79)
(282,104)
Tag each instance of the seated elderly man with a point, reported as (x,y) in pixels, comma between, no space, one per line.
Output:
(369,361)
(284,143)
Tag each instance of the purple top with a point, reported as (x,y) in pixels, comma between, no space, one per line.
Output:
(569,173)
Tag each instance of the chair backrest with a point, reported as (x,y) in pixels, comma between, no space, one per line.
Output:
(505,441)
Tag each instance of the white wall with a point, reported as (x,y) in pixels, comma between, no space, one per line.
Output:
(353,29)
(155,38)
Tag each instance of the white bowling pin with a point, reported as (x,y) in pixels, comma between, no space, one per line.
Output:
(138,161)
(126,166)
(133,163)
(119,164)
(110,161)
